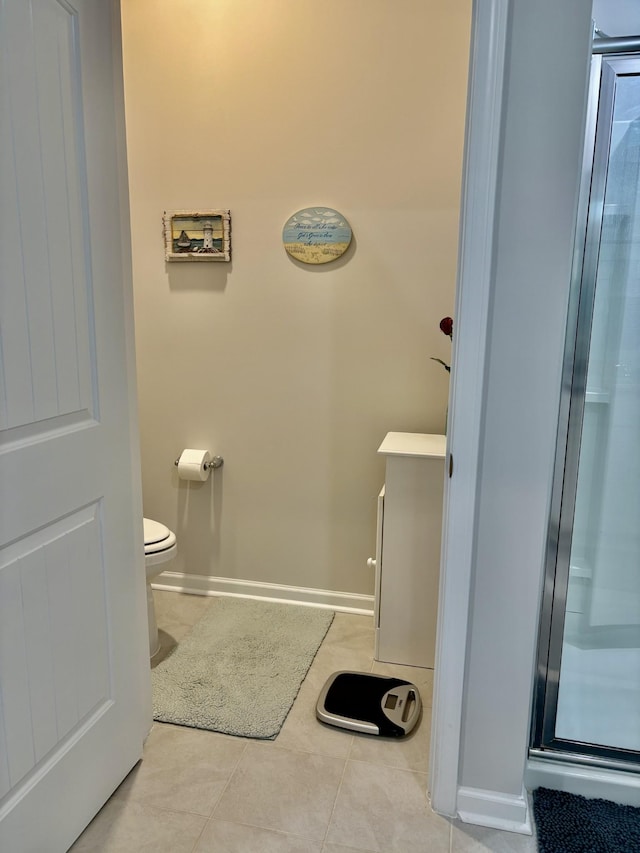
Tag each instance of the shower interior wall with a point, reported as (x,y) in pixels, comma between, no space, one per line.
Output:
(292,373)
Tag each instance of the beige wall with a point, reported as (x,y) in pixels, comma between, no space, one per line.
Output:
(293,373)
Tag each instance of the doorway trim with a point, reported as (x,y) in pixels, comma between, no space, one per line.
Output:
(475,271)
(515,261)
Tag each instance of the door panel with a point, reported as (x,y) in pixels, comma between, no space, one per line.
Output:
(43,230)
(74,671)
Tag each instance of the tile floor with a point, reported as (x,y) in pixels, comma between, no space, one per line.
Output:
(314,789)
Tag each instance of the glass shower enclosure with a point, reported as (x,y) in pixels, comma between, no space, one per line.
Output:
(587,703)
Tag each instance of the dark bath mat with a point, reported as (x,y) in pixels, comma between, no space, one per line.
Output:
(568,823)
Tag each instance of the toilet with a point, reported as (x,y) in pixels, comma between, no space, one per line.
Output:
(159,546)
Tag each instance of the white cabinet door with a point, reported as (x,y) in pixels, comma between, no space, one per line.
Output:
(73,657)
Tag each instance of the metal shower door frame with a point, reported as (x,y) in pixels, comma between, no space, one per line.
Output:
(544,743)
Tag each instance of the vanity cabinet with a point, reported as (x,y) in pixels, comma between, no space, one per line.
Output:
(407,560)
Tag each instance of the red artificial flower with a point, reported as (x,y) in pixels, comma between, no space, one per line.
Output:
(446,326)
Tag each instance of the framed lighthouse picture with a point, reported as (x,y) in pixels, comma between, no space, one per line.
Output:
(203,235)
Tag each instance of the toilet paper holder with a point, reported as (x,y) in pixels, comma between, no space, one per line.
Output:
(215,462)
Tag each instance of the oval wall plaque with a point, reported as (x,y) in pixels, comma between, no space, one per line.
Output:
(316,235)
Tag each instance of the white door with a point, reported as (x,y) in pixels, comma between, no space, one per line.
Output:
(74,678)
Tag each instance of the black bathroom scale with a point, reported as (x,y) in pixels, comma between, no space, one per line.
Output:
(372,704)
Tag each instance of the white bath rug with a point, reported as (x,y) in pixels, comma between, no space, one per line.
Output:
(240,668)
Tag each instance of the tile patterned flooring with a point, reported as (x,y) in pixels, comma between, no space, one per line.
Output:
(314,789)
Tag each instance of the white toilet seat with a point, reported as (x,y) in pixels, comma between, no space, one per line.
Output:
(157,537)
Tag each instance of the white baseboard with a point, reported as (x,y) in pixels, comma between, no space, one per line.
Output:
(346,602)
(619,786)
(496,810)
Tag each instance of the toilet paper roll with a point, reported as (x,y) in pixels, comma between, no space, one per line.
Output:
(191,465)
